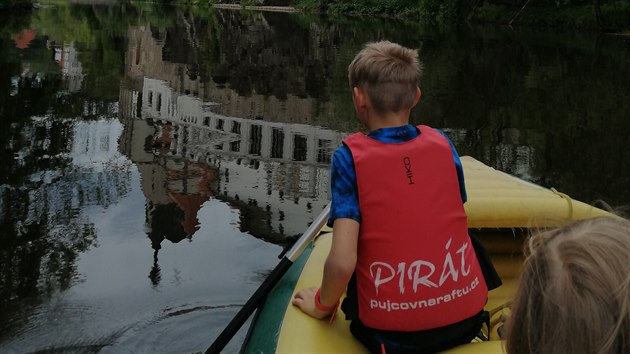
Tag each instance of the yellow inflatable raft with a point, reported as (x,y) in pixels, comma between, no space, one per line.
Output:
(500,208)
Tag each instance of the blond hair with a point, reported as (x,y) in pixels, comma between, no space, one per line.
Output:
(574,292)
(390,74)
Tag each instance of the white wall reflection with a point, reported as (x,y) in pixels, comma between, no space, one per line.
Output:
(281,168)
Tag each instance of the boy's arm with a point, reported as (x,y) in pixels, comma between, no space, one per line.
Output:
(458,167)
(338,269)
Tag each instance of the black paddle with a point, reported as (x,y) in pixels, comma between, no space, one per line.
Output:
(267,285)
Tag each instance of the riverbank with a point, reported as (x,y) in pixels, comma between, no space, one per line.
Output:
(614,16)
(257,8)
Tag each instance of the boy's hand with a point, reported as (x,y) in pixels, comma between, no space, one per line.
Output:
(305,300)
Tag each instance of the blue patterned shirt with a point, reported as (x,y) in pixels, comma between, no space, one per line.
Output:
(343,178)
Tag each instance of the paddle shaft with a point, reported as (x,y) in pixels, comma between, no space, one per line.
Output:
(267,285)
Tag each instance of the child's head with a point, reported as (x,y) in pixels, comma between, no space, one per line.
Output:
(574,293)
(389,74)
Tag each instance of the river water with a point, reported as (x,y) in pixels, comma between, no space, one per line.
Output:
(154,159)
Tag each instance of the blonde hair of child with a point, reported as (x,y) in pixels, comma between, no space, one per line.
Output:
(574,292)
(389,73)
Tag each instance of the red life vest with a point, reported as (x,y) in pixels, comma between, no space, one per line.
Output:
(416,267)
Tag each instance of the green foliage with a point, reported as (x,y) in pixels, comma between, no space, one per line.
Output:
(98,34)
(432,11)
(160,2)
(14,20)
(16,4)
(307,4)
(374,7)
(438,11)
(560,14)
(617,14)
(251,2)
(157,15)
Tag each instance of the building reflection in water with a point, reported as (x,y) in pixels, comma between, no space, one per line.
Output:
(188,150)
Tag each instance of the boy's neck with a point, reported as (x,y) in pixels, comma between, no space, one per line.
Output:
(376,121)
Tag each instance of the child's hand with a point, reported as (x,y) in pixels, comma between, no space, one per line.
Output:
(305,300)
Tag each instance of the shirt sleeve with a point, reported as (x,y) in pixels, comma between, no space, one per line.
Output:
(458,168)
(343,186)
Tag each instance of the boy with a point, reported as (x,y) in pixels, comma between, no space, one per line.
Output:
(400,238)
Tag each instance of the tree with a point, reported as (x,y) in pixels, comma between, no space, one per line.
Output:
(598,14)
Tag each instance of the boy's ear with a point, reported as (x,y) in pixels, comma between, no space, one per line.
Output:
(356,94)
(359,98)
(417,99)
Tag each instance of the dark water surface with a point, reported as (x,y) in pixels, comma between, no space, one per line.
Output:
(154,159)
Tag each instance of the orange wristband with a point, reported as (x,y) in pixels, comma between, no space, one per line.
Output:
(323,307)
